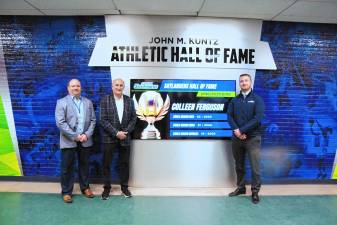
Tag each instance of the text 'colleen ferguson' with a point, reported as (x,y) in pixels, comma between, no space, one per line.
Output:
(197,107)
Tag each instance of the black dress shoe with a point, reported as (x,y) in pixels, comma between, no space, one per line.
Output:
(105,195)
(255,198)
(238,191)
(126,193)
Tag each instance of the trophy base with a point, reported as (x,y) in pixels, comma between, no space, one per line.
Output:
(150,135)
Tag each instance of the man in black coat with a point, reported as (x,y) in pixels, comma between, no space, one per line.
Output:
(117,119)
(245,113)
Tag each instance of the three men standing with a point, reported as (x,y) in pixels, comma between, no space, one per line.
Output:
(245,113)
(75,118)
(117,119)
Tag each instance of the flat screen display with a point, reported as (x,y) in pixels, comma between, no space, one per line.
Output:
(182,109)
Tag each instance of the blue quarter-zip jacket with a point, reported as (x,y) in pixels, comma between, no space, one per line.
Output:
(246,114)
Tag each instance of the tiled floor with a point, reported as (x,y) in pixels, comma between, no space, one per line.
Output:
(49,209)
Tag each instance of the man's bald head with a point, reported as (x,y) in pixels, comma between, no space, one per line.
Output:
(74,87)
(72,81)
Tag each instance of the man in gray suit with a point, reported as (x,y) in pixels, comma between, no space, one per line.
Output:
(117,119)
(75,117)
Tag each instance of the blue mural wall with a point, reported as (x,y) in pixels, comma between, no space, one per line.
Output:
(300,136)
(42,54)
(300,130)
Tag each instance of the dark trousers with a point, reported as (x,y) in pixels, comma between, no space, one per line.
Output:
(68,159)
(123,163)
(251,146)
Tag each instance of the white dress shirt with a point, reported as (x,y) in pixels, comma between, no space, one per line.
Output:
(120,107)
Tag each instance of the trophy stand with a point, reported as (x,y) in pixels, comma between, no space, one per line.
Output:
(150,132)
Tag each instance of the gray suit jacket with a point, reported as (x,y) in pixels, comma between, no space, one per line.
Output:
(109,120)
(66,121)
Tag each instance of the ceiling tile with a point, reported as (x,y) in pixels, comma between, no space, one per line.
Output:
(84,12)
(14,5)
(158,12)
(306,11)
(72,4)
(258,9)
(20,12)
(317,1)
(159,5)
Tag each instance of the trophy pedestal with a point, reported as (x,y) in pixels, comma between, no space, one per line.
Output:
(150,132)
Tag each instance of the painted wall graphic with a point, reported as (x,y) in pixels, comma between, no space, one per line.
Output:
(9,165)
(300,129)
(300,137)
(42,54)
(334,174)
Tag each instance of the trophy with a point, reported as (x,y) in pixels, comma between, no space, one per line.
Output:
(151,108)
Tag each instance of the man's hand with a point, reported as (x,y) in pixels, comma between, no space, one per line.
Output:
(83,138)
(237,133)
(243,137)
(78,138)
(240,135)
(121,135)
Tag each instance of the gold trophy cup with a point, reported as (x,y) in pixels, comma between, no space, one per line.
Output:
(151,108)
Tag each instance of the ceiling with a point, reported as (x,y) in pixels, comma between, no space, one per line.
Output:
(317,11)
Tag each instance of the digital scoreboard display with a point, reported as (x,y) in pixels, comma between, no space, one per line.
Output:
(182,109)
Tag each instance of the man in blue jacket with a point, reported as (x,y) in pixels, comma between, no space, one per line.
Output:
(245,113)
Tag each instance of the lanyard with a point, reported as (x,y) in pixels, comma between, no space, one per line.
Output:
(78,107)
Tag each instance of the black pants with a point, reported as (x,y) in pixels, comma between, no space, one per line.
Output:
(68,160)
(123,163)
(251,146)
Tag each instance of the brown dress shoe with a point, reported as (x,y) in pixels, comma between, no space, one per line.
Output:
(88,193)
(67,199)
